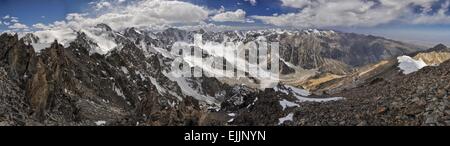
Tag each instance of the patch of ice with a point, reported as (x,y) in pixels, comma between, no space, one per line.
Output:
(297,91)
(186,89)
(232,53)
(118,91)
(290,89)
(289,117)
(104,43)
(100,123)
(286,104)
(302,95)
(124,69)
(409,65)
(160,89)
(305,99)
(253,103)
(163,52)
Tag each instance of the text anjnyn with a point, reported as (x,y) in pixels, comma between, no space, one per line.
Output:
(234,136)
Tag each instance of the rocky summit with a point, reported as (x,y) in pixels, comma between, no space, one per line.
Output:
(105,77)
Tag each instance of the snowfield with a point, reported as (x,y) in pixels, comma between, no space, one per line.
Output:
(409,65)
(302,95)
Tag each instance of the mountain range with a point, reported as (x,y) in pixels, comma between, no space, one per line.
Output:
(106,77)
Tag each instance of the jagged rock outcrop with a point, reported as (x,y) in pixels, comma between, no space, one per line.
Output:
(14,108)
(434,56)
(16,57)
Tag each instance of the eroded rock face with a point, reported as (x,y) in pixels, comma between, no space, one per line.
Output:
(14,110)
(16,57)
(38,89)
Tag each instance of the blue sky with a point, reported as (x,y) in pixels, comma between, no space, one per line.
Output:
(32,11)
(428,28)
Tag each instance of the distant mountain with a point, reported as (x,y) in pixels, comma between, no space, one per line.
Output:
(384,70)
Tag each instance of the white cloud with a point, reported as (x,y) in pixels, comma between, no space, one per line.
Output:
(18,26)
(144,13)
(297,3)
(440,17)
(118,14)
(46,37)
(6,17)
(252,2)
(230,16)
(14,21)
(102,5)
(40,26)
(330,13)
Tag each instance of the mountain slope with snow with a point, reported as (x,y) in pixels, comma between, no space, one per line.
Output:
(128,77)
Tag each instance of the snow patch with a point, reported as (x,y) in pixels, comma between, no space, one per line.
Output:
(118,91)
(409,65)
(287,104)
(124,69)
(302,95)
(103,41)
(289,117)
(100,123)
(186,89)
(232,114)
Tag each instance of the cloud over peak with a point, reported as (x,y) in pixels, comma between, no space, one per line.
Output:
(230,16)
(146,13)
(365,13)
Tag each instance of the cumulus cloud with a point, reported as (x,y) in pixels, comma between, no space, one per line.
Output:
(230,16)
(14,20)
(330,13)
(143,13)
(40,26)
(18,26)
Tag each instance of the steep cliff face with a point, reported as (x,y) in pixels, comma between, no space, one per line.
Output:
(14,108)
(16,57)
